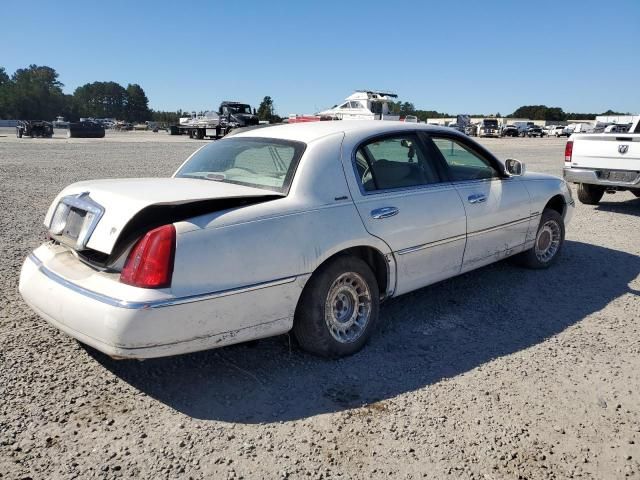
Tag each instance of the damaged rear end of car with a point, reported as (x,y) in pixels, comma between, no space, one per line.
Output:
(106,274)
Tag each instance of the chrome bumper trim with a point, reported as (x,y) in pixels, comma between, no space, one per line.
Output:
(583,175)
(169,302)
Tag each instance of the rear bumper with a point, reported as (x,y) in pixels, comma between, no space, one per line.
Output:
(139,328)
(589,176)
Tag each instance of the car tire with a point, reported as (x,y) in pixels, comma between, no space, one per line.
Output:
(548,243)
(636,193)
(590,194)
(338,309)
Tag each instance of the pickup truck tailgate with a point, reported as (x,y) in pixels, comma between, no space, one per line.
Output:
(606,151)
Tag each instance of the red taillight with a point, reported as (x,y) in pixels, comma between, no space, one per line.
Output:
(568,151)
(150,262)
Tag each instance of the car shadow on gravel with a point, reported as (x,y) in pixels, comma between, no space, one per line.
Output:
(626,207)
(437,332)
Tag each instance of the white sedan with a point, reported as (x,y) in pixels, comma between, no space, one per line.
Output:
(304,227)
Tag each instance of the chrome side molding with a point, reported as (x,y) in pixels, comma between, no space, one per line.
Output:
(169,302)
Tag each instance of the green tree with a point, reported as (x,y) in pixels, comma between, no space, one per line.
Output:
(31,93)
(137,104)
(100,100)
(266,111)
(540,112)
(5,85)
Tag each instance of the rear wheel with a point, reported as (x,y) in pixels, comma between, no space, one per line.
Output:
(338,309)
(549,241)
(636,193)
(590,194)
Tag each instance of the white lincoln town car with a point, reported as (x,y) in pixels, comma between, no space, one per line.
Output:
(303,228)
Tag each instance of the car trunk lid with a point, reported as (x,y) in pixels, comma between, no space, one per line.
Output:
(97,214)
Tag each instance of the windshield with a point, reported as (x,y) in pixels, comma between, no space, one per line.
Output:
(256,162)
(491,123)
(239,109)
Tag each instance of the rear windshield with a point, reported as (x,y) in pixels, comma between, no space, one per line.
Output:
(255,162)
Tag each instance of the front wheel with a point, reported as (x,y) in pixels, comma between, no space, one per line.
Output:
(590,194)
(549,241)
(338,308)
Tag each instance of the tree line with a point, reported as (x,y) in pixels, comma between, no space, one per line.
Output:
(36,93)
(542,112)
(532,112)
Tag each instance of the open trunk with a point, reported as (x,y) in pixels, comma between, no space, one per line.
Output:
(101,219)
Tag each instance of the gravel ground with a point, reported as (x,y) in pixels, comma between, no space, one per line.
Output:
(499,373)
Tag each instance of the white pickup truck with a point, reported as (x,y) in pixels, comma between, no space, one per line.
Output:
(603,162)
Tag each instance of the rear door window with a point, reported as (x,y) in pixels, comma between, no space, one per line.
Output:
(394,162)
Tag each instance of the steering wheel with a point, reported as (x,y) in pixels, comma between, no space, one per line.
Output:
(364,174)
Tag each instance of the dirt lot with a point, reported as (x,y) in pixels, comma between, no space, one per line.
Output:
(499,373)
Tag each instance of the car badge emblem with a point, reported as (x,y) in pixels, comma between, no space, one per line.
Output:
(623,149)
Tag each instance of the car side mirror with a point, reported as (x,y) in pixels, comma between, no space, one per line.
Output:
(514,168)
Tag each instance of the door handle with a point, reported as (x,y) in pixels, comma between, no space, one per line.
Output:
(384,212)
(477,198)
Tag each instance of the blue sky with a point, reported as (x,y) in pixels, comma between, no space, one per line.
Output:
(454,56)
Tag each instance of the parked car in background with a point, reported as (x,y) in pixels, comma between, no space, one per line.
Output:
(34,128)
(535,131)
(411,119)
(87,129)
(241,243)
(557,131)
(580,128)
(617,128)
(509,131)
(522,127)
(489,127)
(601,162)
(471,130)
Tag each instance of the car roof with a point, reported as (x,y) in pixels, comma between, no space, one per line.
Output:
(310,131)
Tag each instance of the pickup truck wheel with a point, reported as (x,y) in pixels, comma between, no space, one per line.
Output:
(636,193)
(549,241)
(590,194)
(338,308)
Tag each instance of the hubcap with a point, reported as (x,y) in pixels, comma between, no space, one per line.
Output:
(348,307)
(548,241)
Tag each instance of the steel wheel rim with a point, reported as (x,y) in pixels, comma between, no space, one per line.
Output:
(348,307)
(548,241)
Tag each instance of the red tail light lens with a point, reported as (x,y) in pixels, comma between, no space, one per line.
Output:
(568,151)
(150,262)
